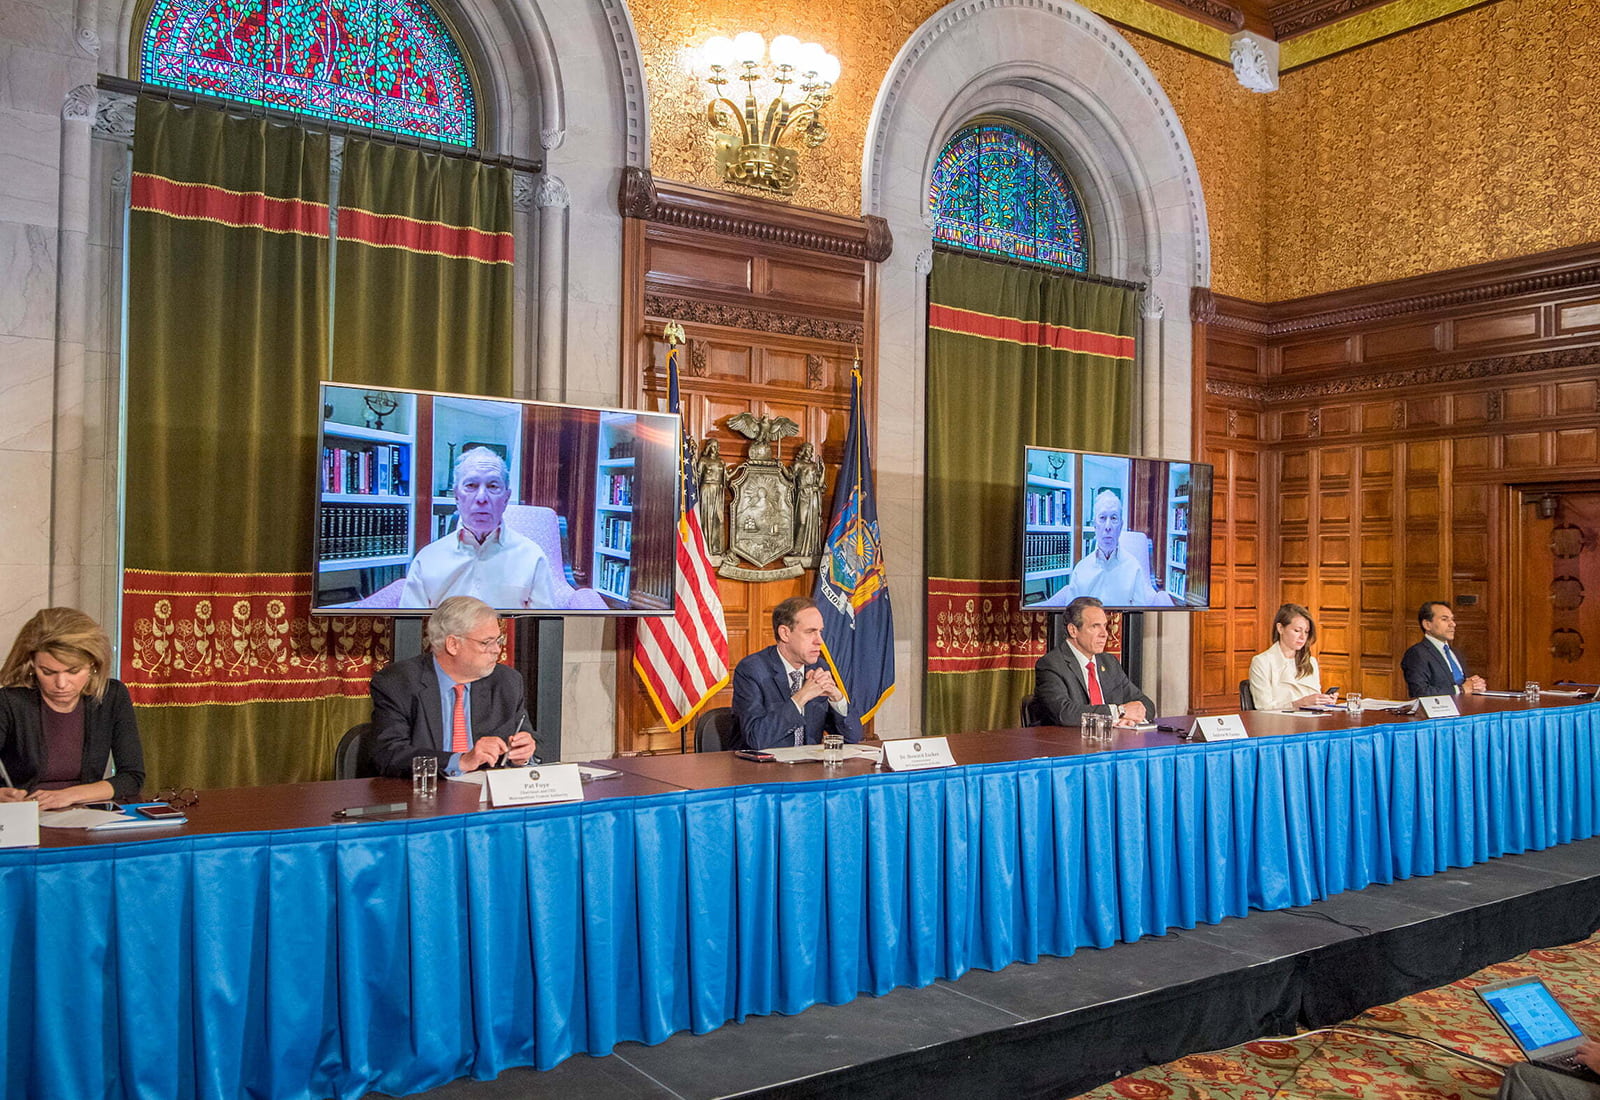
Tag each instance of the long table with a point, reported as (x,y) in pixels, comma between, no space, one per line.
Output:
(265,950)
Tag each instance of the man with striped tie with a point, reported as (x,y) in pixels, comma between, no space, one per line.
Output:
(1080,676)
(456,702)
(1432,666)
(784,694)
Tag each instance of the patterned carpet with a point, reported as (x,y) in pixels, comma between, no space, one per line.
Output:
(1338,1064)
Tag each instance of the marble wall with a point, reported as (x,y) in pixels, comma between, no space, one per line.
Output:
(44,153)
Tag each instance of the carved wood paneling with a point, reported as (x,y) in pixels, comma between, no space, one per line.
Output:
(774,302)
(1388,443)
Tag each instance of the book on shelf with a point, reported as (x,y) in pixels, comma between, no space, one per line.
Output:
(363,531)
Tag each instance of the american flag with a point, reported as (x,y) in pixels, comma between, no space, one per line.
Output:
(682,659)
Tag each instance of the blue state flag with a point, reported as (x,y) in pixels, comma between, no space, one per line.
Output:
(852,589)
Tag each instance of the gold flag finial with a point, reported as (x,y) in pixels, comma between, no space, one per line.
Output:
(674,334)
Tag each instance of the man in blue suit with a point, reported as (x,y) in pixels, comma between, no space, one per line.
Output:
(1432,667)
(783,695)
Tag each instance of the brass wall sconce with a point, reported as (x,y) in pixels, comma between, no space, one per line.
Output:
(758,143)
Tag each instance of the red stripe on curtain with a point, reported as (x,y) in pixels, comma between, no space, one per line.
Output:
(430,238)
(966,322)
(979,624)
(190,639)
(204,202)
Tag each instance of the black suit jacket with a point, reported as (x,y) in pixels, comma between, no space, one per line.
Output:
(1427,672)
(408,719)
(764,715)
(109,732)
(1060,692)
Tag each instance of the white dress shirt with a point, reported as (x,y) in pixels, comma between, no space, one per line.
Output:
(505,570)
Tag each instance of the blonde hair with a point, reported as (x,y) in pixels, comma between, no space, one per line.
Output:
(69,636)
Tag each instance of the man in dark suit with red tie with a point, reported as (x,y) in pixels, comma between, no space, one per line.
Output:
(1079,677)
(783,695)
(1432,667)
(456,703)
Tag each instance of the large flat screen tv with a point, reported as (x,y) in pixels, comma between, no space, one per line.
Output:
(1133,532)
(534,507)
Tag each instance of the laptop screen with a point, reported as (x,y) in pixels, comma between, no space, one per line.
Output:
(1532,1015)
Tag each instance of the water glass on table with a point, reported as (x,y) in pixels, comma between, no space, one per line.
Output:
(425,776)
(832,750)
(1352,704)
(1530,691)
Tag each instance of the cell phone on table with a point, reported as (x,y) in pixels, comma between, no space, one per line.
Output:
(112,806)
(755,754)
(159,812)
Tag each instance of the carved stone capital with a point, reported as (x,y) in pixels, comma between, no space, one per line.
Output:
(80,104)
(114,115)
(88,41)
(1255,61)
(636,196)
(551,139)
(551,192)
(522,185)
(924,264)
(1151,307)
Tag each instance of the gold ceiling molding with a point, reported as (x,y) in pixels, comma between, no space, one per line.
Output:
(1165,24)
(1364,27)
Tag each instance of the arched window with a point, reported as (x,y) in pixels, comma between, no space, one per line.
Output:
(384,64)
(997,189)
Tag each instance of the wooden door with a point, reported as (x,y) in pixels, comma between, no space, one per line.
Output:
(1559,597)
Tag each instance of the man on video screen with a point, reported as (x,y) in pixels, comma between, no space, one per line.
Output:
(482,557)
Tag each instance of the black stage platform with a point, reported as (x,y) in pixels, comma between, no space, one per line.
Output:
(1062,1026)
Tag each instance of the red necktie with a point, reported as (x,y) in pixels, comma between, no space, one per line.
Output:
(1095,695)
(458,721)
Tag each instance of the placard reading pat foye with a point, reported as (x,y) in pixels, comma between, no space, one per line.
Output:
(531,785)
(19,825)
(910,754)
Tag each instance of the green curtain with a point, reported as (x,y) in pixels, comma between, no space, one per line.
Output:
(1016,356)
(423,294)
(227,335)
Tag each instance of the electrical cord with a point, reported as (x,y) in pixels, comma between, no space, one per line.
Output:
(1360,929)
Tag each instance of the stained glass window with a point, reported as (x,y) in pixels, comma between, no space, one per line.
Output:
(385,64)
(996,189)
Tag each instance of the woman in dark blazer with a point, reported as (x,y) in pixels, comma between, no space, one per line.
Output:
(67,731)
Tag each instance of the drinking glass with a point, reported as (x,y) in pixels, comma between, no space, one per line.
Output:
(1530,691)
(424,776)
(832,750)
(1352,703)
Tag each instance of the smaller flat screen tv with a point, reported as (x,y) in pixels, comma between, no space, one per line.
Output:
(533,507)
(1133,532)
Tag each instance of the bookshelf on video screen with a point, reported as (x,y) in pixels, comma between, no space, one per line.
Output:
(1133,532)
(533,507)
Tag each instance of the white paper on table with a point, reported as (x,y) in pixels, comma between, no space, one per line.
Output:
(78,817)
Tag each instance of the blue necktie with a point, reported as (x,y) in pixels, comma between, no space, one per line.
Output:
(1455,666)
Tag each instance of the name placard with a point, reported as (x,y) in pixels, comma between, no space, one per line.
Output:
(911,754)
(1439,706)
(19,824)
(531,785)
(1218,727)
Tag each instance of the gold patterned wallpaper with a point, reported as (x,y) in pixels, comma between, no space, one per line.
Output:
(1470,140)
(1226,127)
(1466,140)
(1207,98)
